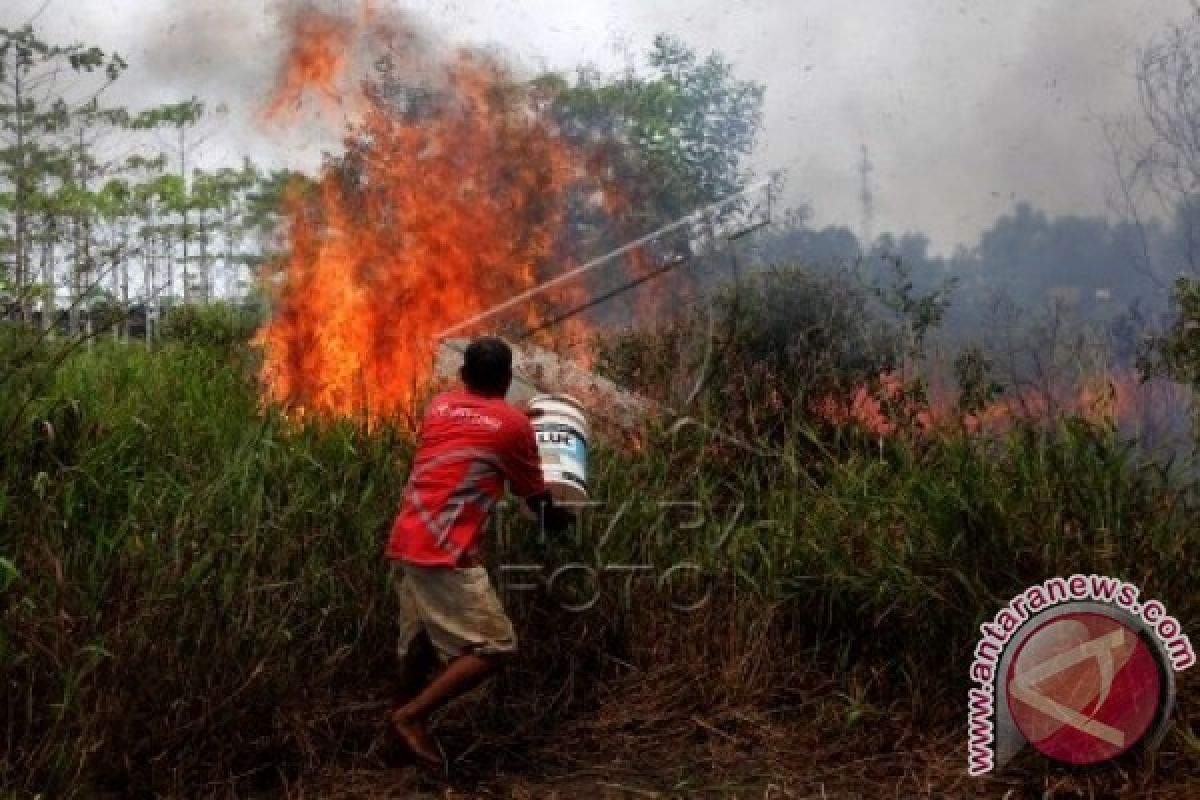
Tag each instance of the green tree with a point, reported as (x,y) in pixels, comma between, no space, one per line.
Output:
(1175,352)
(668,138)
(39,91)
(676,135)
(221,199)
(178,127)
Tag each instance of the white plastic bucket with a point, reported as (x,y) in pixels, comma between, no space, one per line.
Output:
(562,438)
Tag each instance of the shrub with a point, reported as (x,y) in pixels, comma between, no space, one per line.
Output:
(221,326)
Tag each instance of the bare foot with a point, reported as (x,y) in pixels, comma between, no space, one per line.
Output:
(418,739)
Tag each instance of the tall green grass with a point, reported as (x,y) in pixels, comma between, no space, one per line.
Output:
(195,595)
(187,573)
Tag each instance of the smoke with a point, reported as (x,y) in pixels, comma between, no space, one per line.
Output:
(966,107)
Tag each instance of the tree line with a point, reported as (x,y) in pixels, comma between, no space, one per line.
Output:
(105,207)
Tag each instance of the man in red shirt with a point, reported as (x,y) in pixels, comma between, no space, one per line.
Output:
(471,442)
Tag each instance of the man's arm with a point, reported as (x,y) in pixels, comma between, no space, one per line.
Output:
(523,469)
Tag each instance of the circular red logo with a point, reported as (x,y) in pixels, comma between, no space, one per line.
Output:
(1083,688)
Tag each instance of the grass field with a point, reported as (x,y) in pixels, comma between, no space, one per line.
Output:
(196,602)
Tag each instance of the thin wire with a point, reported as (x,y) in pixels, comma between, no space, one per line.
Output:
(604,259)
(595,301)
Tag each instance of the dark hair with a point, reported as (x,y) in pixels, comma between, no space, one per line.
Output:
(487,366)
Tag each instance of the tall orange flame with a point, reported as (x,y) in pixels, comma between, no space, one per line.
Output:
(316,59)
(446,202)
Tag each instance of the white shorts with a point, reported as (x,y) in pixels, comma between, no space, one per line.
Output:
(457,607)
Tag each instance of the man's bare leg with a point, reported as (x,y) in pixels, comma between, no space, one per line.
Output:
(416,668)
(460,676)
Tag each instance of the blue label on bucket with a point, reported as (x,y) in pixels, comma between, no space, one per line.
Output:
(564,440)
(565,443)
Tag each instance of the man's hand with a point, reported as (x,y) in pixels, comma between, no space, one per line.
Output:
(557,519)
(554,518)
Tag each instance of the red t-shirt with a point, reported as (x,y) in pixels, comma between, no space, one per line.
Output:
(468,446)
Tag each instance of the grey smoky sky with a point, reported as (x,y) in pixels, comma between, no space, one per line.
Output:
(966,106)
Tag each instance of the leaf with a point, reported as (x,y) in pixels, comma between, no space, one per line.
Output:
(8,573)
